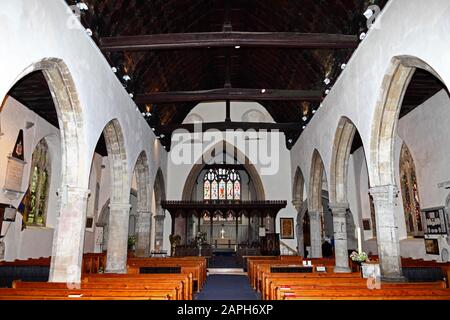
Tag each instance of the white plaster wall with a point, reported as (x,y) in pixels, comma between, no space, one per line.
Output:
(422,31)
(277,184)
(34,30)
(405,28)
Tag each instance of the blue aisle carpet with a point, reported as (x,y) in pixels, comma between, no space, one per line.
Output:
(227,287)
(224,261)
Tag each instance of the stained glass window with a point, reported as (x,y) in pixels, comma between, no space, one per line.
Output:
(207,190)
(35,199)
(222,184)
(410,193)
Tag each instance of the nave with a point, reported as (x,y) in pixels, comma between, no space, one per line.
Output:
(180,150)
(189,278)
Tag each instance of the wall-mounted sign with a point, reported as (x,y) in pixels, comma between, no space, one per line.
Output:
(435,221)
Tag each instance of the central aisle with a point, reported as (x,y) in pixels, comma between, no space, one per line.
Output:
(227,287)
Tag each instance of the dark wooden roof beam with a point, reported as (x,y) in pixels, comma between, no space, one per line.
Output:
(172,41)
(233,94)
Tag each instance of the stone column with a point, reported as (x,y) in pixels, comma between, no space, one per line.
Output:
(159,227)
(387,232)
(315,224)
(339,212)
(68,239)
(299,227)
(116,257)
(143,229)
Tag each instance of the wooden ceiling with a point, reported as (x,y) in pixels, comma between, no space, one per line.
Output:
(276,66)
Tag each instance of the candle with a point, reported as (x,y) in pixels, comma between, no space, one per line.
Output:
(359,240)
(193,230)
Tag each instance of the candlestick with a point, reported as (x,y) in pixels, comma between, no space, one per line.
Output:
(359,240)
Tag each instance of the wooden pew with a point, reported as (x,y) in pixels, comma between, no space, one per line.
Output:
(86,294)
(367,294)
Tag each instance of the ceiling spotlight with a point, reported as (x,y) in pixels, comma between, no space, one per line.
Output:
(313,111)
(290,140)
(327,91)
(343,66)
(162,135)
(131,95)
(327,81)
(303,127)
(368,13)
(305,118)
(143,114)
(126,77)
(263,90)
(114,69)
(148,114)
(153,129)
(89,32)
(237,47)
(321,105)
(362,36)
(137,109)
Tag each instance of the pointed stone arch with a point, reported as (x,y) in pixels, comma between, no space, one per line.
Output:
(143,224)
(119,206)
(298,187)
(382,165)
(315,207)
(68,240)
(237,155)
(343,140)
(315,182)
(159,189)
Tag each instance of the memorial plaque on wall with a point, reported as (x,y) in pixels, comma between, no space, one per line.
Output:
(435,221)
(15,166)
(14,174)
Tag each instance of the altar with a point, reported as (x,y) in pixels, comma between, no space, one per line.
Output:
(221,243)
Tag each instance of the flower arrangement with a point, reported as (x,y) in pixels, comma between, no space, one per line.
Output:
(200,239)
(359,257)
(131,241)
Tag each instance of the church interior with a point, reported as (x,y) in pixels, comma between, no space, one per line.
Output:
(224,150)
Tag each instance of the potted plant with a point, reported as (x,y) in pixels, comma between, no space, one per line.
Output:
(174,241)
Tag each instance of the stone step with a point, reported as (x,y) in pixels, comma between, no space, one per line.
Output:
(227,271)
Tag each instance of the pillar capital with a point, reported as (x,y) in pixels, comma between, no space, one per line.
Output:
(339,209)
(314,215)
(297,204)
(119,206)
(68,192)
(384,194)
